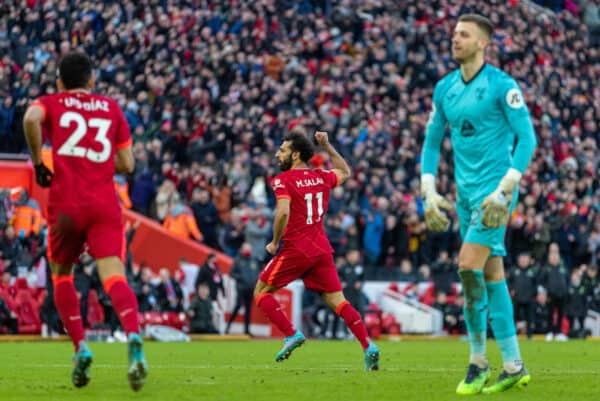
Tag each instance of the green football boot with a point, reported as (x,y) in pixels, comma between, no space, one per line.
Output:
(507,381)
(475,381)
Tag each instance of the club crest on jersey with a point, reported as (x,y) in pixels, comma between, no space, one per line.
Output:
(514,99)
(277,184)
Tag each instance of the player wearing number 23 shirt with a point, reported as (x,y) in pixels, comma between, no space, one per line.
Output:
(90,142)
(85,130)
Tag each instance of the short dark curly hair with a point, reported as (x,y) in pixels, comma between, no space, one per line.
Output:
(75,70)
(299,142)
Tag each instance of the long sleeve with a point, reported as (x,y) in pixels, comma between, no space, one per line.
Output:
(517,115)
(434,133)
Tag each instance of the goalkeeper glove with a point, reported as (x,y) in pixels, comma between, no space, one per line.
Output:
(43,175)
(496,205)
(435,218)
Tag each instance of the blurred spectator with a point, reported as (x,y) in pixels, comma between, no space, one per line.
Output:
(450,312)
(11,250)
(523,286)
(200,312)
(206,215)
(210,274)
(8,319)
(577,306)
(180,222)
(257,233)
(7,119)
(145,291)
(245,271)
(122,188)
(352,276)
(443,274)
(373,234)
(543,314)
(406,273)
(166,197)
(85,280)
(555,279)
(168,293)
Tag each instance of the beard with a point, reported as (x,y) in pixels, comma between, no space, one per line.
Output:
(464,56)
(285,165)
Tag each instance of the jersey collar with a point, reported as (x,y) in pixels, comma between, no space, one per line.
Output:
(474,76)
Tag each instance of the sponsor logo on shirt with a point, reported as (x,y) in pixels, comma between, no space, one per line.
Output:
(514,100)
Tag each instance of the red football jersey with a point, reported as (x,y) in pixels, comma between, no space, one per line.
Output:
(308,191)
(84,130)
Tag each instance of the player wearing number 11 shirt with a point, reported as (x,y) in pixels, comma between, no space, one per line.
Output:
(301,248)
(90,141)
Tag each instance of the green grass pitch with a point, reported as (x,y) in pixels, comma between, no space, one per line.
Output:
(320,370)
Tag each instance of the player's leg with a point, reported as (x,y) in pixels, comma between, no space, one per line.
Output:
(338,303)
(503,326)
(67,305)
(65,243)
(124,301)
(105,240)
(275,275)
(471,261)
(322,277)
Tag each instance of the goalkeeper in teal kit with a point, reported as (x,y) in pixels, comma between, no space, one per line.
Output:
(486,114)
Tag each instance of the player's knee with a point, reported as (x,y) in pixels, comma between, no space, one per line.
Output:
(333,299)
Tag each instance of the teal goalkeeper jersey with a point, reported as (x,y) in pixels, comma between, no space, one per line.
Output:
(485,116)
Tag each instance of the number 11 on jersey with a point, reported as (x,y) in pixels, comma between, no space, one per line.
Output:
(309,207)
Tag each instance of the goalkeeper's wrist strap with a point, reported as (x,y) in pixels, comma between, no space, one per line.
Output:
(510,180)
(427,185)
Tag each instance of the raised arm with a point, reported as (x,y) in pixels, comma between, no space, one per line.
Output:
(340,166)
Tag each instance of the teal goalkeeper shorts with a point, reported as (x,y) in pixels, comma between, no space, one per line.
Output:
(472,229)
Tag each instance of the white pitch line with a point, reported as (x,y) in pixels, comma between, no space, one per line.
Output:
(549,372)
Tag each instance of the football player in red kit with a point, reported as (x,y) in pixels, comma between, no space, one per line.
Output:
(300,245)
(90,141)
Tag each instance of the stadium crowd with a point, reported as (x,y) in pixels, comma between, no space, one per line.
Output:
(209,88)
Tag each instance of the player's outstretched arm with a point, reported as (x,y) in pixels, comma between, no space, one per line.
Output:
(282,216)
(340,166)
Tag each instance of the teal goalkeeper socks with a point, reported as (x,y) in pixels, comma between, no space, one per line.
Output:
(475,308)
(503,323)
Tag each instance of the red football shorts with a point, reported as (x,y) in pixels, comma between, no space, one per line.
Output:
(318,272)
(70,227)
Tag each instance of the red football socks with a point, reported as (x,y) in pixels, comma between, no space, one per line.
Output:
(272,309)
(354,322)
(124,302)
(67,305)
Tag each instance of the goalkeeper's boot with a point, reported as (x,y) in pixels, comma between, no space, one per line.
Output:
(509,380)
(138,368)
(289,345)
(82,361)
(475,380)
(371,357)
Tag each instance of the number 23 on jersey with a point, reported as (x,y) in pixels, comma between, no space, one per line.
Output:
(71,119)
